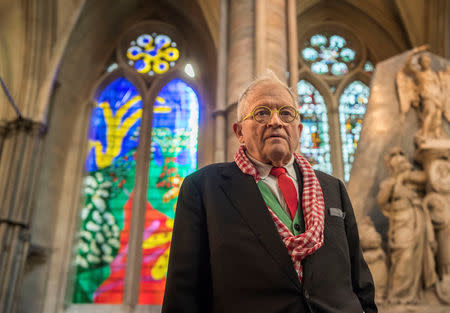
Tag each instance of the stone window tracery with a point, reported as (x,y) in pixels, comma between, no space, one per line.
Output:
(333,58)
(146,80)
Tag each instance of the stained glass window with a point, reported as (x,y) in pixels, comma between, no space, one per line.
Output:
(173,157)
(329,54)
(315,141)
(108,188)
(368,67)
(152,54)
(352,107)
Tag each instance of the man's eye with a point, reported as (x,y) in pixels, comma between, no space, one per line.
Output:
(286,113)
(262,113)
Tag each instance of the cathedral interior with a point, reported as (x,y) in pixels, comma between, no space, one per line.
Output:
(106,106)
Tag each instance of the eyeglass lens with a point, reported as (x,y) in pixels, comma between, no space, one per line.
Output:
(263,114)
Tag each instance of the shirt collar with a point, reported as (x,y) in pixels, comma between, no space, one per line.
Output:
(264,169)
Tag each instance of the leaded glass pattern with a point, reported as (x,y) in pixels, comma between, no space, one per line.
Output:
(110,165)
(352,107)
(173,157)
(152,54)
(329,54)
(315,140)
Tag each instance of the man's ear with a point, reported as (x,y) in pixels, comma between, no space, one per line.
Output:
(237,127)
(300,128)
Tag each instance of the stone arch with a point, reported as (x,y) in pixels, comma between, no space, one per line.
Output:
(86,54)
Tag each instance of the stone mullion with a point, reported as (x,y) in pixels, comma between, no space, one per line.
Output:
(138,210)
(19,164)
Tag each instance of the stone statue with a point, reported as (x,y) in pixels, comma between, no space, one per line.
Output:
(437,202)
(418,85)
(410,235)
(374,256)
(439,208)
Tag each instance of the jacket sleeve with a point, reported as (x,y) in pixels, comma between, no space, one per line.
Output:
(188,280)
(362,282)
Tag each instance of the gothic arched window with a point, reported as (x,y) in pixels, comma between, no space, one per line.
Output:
(335,62)
(145,120)
(315,140)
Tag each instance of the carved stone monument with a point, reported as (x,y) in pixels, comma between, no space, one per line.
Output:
(410,235)
(374,256)
(416,198)
(420,86)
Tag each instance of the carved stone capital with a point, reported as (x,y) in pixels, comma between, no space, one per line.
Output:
(22,125)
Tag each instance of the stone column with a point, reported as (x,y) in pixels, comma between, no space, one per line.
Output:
(221,100)
(257,40)
(20,145)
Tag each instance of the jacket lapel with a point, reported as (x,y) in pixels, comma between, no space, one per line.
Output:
(246,198)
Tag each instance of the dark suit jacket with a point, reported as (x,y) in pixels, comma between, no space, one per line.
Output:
(227,255)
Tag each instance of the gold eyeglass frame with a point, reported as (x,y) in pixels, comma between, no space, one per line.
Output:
(252,113)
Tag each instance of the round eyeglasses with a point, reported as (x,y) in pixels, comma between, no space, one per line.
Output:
(263,114)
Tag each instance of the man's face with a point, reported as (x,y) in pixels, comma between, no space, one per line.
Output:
(274,142)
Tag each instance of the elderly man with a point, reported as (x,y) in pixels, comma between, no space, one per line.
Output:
(266,233)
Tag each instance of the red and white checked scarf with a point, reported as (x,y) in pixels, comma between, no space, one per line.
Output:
(313,207)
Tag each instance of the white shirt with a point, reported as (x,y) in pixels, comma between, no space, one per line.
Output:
(272,182)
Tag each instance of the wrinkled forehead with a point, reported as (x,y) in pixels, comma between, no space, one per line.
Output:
(270,94)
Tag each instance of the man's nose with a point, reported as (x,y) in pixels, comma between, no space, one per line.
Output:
(275,119)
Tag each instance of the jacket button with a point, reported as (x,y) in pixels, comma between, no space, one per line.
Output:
(297,227)
(306,293)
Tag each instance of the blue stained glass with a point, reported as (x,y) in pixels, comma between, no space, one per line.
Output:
(352,107)
(339,69)
(337,42)
(319,67)
(347,55)
(318,40)
(315,140)
(115,123)
(310,54)
(368,67)
(174,137)
(328,55)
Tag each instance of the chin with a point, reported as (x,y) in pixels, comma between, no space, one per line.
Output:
(279,156)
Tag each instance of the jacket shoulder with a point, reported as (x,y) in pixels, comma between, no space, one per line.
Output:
(211,170)
(326,178)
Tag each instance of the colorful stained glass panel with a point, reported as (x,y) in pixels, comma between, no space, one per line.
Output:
(113,140)
(352,107)
(152,54)
(326,54)
(368,67)
(173,157)
(315,140)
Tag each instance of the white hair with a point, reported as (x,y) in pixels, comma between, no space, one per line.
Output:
(267,77)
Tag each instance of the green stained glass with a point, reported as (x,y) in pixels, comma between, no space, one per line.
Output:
(108,185)
(315,140)
(173,157)
(352,107)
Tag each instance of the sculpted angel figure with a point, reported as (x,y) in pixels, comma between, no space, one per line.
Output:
(418,85)
(410,236)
